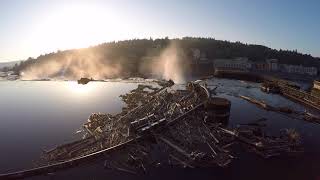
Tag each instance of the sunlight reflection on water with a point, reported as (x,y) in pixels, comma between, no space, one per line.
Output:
(74,87)
(42,114)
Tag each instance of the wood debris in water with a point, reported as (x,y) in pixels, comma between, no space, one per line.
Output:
(294,114)
(161,126)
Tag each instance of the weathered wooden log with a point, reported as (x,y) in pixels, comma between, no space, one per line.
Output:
(172,122)
(185,164)
(259,103)
(66,164)
(152,126)
(218,110)
(69,145)
(177,148)
(142,121)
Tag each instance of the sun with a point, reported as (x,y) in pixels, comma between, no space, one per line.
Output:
(76,26)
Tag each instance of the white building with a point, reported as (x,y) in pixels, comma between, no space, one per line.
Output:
(312,71)
(233,64)
(273,64)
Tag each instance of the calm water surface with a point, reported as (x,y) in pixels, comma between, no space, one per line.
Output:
(37,115)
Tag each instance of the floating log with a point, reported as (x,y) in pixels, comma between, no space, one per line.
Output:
(177,148)
(259,103)
(64,165)
(311,117)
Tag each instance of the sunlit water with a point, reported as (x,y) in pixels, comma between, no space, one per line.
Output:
(37,115)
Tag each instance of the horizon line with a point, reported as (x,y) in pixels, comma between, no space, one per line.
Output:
(153,38)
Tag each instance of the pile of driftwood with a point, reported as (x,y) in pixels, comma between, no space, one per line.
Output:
(162,126)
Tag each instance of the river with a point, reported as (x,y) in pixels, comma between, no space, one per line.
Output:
(37,115)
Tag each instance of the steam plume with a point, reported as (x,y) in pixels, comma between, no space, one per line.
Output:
(170,65)
(73,66)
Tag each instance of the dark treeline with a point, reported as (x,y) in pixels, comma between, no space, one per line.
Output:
(130,53)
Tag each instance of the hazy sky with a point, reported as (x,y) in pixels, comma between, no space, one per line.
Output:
(29,28)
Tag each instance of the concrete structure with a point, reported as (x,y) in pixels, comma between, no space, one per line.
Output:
(243,64)
(233,64)
(299,69)
(273,64)
(268,65)
(261,66)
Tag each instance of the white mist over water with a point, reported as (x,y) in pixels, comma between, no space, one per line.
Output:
(78,64)
(170,65)
(74,65)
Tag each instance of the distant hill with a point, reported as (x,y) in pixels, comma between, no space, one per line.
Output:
(9,64)
(128,56)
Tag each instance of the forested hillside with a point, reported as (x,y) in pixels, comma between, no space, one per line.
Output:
(130,54)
